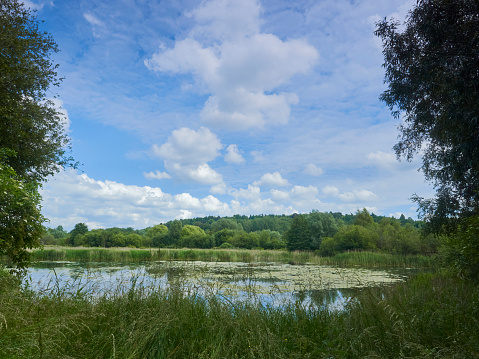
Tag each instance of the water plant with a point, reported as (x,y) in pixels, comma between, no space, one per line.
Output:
(363,259)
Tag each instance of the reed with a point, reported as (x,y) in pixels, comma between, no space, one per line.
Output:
(430,316)
(126,255)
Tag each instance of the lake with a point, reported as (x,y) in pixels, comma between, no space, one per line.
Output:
(263,283)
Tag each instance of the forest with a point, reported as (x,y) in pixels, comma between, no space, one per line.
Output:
(325,233)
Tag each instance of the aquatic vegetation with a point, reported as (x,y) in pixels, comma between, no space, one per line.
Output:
(363,259)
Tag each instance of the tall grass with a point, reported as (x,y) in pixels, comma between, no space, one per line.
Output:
(430,316)
(364,259)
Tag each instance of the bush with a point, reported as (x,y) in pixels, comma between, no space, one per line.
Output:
(327,247)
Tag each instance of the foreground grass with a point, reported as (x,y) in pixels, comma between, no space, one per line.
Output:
(364,259)
(430,316)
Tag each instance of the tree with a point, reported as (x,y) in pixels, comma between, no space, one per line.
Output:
(363,218)
(432,69)
(432,72)
(78,230)
(31,124)
(354,237)
(321,225)
(298,237)
(157,234)
(20,218)
(32,138)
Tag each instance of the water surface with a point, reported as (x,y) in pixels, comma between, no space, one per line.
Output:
(265,283)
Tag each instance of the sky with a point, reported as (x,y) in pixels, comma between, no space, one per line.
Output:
(181,109)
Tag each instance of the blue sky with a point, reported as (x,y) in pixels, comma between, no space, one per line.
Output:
(180,109)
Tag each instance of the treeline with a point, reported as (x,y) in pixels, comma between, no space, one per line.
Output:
(325,233)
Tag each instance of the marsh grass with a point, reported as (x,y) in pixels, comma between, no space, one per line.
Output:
(430,316)
(126,255)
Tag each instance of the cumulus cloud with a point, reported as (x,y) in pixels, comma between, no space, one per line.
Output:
(241,67)
(330,191)
(301,192)
(313,170)
(357,195)
(250,193)
(233,155)
(214,205)
(156,175)
(71,198)
(205,174)
(278,195)
(352,196)
(186,153)
(187,146)
(272,180)
(219,188)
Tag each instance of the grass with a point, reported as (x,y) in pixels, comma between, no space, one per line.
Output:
(364,259)
(429,316)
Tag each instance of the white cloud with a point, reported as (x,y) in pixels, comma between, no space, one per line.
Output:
(71,198)
(272,179)
(219,19)
(382,159)
(156,175)
(362,195)
(301,192)
(279,196)
(186,146)
(186,153)
(205,174)
(93,20)
(313,170)
(214,205)
(233,155)
(330,191)
(187,200)
(250,193)
(357,195)
(219,188)
(239,65)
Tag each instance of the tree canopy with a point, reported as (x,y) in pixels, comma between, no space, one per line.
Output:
(33,142)
(432,72)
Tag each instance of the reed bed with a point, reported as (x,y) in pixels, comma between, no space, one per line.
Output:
(429,316)
(125,255)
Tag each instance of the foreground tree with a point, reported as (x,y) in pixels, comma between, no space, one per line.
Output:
(20,218)
(32,138)
(432,70)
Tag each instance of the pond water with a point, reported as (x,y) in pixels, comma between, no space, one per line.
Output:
(266,283)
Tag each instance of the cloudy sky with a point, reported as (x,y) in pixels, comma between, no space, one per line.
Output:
(186,108)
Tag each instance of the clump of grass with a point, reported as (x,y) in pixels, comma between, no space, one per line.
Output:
(430,316)
(374,259)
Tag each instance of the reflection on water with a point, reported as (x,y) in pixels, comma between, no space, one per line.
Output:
(264,283)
